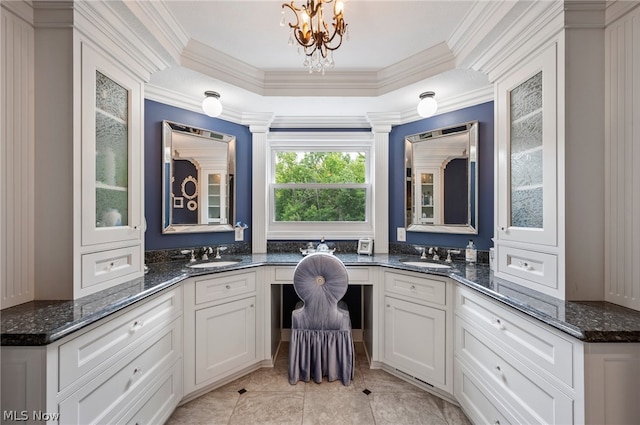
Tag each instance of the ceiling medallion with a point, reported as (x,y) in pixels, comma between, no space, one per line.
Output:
(318,41)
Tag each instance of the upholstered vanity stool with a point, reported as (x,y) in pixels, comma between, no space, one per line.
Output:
(321,341)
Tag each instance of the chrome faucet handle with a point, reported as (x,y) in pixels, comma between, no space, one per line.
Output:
(449,252)
(423,251)
(189,252)
(218,249)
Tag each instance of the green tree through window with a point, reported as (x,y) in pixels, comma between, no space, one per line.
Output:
(320,186)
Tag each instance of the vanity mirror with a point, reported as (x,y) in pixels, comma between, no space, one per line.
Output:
(442,180)
(198,180)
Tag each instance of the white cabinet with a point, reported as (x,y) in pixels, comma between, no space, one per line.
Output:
(225,338)
(525,372)
(416,318)
(88,163)
(549,155)
(122,369)
(414,339)
(221,333)
(527,174)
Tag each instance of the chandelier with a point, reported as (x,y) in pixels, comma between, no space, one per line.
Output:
(313,34)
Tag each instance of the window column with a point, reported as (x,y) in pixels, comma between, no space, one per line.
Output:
(381,126)
(259,126)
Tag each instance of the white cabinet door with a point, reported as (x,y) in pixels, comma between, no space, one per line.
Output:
(111,151)
(414,340)
(527,141)
(225,338)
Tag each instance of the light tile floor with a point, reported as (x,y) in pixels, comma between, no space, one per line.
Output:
(268,398)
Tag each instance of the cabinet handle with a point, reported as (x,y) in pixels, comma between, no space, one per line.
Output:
(388,305)
(137,371)
(228,286)
(497,422)
(137,325)
(413,287)
(251,306)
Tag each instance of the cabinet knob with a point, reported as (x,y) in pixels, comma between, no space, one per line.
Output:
(228,286)
(413,287)
(137,325)
(498,323)
(497,422)
(137,371)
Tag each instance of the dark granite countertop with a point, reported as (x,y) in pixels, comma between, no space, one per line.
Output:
(43,322)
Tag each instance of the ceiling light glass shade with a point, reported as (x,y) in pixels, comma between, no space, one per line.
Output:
(211,104)
(427,105)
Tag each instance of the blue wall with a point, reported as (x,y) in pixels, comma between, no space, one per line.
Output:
(484,115)
(155,113)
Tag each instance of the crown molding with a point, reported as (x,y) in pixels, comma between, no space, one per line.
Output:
(534,27)
(21,9)
(189,103)
(617,9)
(161,24)
(465,100)
(423,65)
(215,64)
(476,27)
(320,122)
(194,104)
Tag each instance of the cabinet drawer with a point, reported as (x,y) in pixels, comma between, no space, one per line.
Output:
(100,267)
(534,398)
(159,400)
(416,287)
(476,399)
(532,344)
(102,346)
(537,267)
(113,392)
(216,288)
(357,275)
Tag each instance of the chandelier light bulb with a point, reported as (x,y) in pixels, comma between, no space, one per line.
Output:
(427,105)
(211,104)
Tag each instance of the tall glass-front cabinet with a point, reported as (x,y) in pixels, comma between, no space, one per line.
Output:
(527,173)
(89,166)
(111,152)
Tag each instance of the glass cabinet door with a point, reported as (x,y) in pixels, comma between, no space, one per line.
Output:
(426,198)
(527,153)
(111,152)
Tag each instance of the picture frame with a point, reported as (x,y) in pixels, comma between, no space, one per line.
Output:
(365,247)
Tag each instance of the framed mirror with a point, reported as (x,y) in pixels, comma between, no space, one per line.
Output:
(198,179)
(441,167)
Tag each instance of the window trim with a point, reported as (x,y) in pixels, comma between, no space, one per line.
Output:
(323,142)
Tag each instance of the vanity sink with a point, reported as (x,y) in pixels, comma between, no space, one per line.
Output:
(212,264)
(426,264)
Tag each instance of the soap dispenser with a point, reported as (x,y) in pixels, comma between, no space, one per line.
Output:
(470,252)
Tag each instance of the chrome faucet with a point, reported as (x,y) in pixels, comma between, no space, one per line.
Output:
(218,249)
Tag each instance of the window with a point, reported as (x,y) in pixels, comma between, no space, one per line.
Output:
(320,187)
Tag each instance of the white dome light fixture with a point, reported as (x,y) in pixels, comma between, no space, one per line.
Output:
(427,105)
(211,104)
